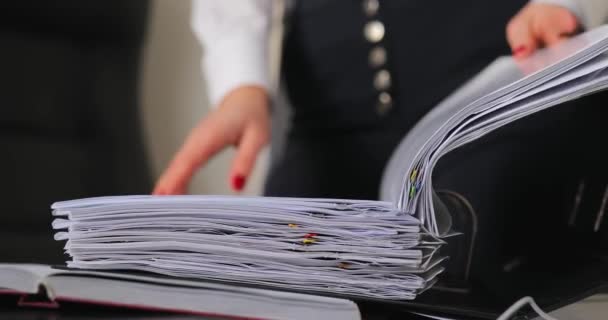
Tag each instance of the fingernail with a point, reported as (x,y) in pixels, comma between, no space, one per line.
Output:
(238,182)
(519,50)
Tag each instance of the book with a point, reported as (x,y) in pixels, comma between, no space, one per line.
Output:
(385,251)
(155,293)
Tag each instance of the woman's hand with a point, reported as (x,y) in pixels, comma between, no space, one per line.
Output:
(538,25)
(242,120)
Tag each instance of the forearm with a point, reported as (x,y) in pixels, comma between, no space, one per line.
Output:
(235,39)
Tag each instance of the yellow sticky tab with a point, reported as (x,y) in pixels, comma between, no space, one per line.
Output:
(292,225)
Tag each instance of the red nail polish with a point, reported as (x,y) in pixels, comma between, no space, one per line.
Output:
(519,50)
(238,182)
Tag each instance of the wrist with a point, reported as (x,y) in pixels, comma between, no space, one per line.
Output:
(251,96)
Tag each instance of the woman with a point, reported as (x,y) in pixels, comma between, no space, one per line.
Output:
(358,75)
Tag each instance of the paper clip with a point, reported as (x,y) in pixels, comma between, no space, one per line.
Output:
(414,175)
(292,225)
(308,241)
(310,235)
(343,265)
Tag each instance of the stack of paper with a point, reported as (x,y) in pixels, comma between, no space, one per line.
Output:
(504,92)
(363,248)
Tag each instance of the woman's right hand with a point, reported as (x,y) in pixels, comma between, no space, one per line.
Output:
(242,120)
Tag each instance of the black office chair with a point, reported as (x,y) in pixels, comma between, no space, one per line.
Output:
(69,123)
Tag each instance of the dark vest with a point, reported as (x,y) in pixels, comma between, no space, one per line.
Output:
(431,48)
(352,104)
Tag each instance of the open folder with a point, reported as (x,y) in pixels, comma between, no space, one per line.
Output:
(386,250)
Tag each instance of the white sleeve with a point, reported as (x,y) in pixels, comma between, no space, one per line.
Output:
(590,13)
(235,38)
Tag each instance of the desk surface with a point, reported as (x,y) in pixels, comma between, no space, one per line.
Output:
(593,308)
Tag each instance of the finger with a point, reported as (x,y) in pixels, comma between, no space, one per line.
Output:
(170,183)
(568,22)
(520,37)
(549,34)
(553,39)
(203,142)
(249,147)
(555,27)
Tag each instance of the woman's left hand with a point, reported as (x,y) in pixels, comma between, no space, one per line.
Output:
(537,25)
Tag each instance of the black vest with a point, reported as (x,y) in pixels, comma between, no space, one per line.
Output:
(431,47)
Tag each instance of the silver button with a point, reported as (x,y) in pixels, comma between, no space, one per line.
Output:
(385,103)
(374,31)
(370,7)
(377,57)
(382,80)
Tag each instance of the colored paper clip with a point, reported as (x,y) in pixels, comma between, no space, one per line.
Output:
(308,241)
(414,175)
(412,191)
(310,235)
(343,265)
(292,225)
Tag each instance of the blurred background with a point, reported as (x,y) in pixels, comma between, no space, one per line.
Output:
(96,97)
